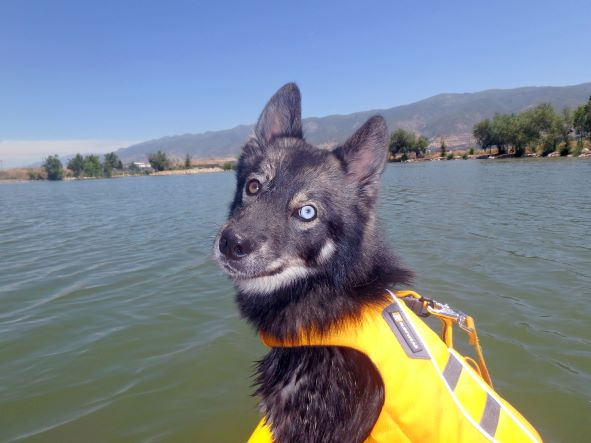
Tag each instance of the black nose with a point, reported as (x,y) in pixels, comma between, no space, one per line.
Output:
(234,247)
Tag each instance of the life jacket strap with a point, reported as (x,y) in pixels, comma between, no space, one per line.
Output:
(425,307)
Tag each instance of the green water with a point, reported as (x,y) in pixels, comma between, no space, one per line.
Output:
(116,326)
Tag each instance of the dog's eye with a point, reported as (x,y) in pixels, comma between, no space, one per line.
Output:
(307,213)
(253,187)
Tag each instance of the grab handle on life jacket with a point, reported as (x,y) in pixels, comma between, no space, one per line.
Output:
(424,307)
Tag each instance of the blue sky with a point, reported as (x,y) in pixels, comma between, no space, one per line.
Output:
(82,75)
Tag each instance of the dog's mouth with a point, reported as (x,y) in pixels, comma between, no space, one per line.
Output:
(280,273)
(250,277)
(241,275)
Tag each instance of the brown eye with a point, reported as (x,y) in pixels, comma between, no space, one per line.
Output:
(253,187)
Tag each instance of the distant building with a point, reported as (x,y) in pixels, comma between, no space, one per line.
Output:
(142,165)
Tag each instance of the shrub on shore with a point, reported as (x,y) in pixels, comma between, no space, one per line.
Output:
(53,168)
(442,149)
(91,167)
(76,164)
(159,161)
(36,174)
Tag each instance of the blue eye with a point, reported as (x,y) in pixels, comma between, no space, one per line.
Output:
(307,213)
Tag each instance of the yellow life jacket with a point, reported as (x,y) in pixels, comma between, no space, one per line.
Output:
(451,403)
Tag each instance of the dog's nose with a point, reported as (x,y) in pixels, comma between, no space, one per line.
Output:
(234,247)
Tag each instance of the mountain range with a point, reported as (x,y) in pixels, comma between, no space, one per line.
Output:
(450,116)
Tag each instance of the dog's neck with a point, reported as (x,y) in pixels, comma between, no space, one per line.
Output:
(318,302)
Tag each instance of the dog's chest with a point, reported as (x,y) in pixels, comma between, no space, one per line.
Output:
(319,394)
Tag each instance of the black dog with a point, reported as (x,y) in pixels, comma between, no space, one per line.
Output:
(303,248)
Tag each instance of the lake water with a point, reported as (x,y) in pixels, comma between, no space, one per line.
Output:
(115,324)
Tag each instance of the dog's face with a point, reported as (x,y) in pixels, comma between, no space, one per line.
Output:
(298,209)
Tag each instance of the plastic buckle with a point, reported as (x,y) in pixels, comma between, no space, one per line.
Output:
(417,305)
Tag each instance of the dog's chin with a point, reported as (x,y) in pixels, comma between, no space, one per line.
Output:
(278,275)
(270,281)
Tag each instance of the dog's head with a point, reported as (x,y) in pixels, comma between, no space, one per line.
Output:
(300,212)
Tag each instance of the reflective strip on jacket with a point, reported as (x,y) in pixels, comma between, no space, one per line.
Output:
(450,404)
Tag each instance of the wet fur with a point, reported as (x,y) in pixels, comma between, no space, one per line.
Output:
(311,276)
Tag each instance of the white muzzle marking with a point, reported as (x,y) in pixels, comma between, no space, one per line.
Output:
(270,283)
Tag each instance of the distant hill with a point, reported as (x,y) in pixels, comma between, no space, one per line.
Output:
(445,115)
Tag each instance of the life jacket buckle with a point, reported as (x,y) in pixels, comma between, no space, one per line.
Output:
(424,307)
(443,310)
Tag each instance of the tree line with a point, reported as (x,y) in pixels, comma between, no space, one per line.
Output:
(87,166)
(540,130)
(91,166)
(404,142)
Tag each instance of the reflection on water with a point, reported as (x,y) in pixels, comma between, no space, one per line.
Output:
(115,325)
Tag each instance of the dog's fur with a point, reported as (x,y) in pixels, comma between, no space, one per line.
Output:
(293,275)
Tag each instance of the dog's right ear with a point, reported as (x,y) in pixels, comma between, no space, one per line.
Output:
(364,155)
(282,116)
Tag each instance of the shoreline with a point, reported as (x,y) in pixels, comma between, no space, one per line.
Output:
(216,169)
(192,171)
(490,157)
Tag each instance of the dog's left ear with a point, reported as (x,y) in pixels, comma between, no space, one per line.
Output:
(365,156)
(282,116)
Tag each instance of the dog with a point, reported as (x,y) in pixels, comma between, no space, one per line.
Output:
(304,250)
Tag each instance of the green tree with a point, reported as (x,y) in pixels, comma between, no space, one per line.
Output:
(402,142)
(92,167)
(550,142)
(111,161)
(566,124)
(582,120)
(503,126)
(421,144)
(579,120)
(520,133)
(442,148)
(76,164)
(542,117)
(188,161)
(159,161)
(483,134)
(503,131)
(54,168)
(107,170)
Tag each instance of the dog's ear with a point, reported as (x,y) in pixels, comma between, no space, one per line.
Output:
(365,156)
(282,116)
